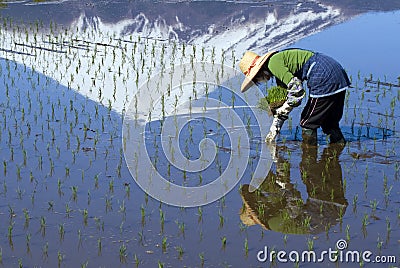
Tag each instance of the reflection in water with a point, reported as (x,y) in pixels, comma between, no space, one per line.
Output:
(277,205)
(230,25)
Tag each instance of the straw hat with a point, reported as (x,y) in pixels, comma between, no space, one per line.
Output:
(250,64)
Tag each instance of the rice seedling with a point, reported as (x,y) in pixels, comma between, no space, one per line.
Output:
(4,167)
(246,247)
(341,214)
(60,258)
(355,199)
(96,181)
(388,229)
(85,264)
(162,220)
(180,251)
(68,210)
(327,227)
(137,261)
(379,244)
(373,205)
(74,190)
(111,186)
(201,235)
(127,190)
(306,221)
(221,219)
(141,237)
(99,246)
(199,214)
(348,233)
(143,214)
(310,243)
(164,244)
(181,227)
(10,233)
(43,225)
(51,206)
(223,242)
(26,217)
(45,250)
(365,222)
(19,193)
(28,241)
(4,188)
(61,231)
(123,253)
(79,237)
(285,238)
(201,256)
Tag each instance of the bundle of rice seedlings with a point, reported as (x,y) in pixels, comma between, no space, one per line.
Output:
(276,96)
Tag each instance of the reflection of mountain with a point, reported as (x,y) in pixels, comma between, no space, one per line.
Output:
(230,25)
(115,59)
(241,30)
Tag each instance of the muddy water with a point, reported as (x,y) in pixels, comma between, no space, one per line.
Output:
(68,199)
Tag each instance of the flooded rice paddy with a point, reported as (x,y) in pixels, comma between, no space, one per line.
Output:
(68,199)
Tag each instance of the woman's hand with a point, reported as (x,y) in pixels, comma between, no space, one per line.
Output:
(281,114)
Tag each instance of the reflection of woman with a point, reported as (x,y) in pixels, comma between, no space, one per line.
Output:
(278,205)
